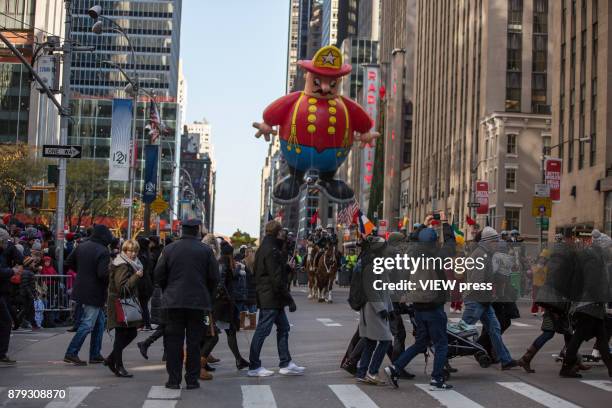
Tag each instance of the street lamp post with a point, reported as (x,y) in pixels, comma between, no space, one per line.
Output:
(98,28)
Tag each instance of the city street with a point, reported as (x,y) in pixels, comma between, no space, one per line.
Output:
(319,336)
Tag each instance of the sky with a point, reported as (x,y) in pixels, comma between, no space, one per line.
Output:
(234,56)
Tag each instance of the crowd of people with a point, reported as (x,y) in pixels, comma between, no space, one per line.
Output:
(198,286)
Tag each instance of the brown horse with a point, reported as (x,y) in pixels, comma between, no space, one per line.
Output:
(325,274)
(311,268)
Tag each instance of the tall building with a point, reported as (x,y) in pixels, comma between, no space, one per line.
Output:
(153,27)
(26,115)
(581,124)
(299,21)
(368,23)
(339,21)
(202,136)
(482,94)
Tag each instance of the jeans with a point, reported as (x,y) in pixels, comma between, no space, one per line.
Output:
(430,328)
(78,315)
(268,317)
(475,311)
(372,357)
(543,339)
(93,321)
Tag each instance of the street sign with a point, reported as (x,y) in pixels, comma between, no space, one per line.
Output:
(542,190)
(159,205)
(126,203)
(541,206)
(62,151)
(473,205)
(544,223)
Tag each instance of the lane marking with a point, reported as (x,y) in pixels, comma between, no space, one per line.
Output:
(74,397)
(601,384)
(159,404)
(352,397)
(163,393)
(328,322)
(537,395)
(449,398)
(257,396)
(519,324)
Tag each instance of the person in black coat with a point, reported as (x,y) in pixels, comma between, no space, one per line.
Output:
(5,316)
(272,297)
(187,273)
(145,284)
(91,261)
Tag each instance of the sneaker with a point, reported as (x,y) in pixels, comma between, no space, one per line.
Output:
(260,372)
(291,370)
(435,385)
(74,360)
(295,367)
(7,362)
(391,374)
(373,380)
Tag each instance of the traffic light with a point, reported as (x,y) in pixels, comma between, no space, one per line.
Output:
(135,204)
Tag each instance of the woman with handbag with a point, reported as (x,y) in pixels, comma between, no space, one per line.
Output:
(124,312)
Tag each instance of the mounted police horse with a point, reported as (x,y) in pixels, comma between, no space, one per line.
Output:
(325,273)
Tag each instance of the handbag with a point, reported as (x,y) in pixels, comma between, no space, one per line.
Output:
(127,311)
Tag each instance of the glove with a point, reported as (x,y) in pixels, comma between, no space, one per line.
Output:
(384,314)
(292,306)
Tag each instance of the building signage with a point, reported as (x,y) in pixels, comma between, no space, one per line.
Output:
(47,70)
(482,197)
(121,131)
(552,176)
(371,98)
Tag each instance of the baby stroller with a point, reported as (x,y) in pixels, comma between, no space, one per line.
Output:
(462,341)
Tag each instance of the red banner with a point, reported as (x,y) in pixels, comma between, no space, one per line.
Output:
(482,197)
(552,177)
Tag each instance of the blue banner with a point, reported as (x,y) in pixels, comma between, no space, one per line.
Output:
(149,193)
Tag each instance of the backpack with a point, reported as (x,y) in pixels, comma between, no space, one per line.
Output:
(357,296)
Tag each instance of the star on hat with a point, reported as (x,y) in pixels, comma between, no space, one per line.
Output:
(327,62)
(329,58)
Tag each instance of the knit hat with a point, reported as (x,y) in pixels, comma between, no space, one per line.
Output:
(37,246)
(489,235)
(227,248)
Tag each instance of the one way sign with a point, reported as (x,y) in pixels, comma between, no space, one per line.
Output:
(62,151)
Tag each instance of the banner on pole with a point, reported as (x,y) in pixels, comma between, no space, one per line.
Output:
(371,98)
(121,131)
(552,177)
(150,177)
(482,197)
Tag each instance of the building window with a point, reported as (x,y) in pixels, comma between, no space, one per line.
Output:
(540,16)
(515,15)
(546,142)
(493,217)
(514,51)
(511,144)
(513,92)
(511,179)
(513,218)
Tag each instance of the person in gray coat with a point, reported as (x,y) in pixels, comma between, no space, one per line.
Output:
(374,326)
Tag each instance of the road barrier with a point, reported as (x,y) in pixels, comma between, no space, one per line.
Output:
(55,290)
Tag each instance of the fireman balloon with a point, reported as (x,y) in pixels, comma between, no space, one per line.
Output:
(317,128)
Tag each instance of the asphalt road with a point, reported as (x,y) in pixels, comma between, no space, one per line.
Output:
(318,339)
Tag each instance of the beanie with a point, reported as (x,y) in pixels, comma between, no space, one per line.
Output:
(489,235)
(428,235)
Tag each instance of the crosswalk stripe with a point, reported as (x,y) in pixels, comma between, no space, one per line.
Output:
(159,404)
(163,393)
(352,397)
(519,324)
(74,396)
(328,322)
(602,385)
(257,396)
(537,395)
(449,398)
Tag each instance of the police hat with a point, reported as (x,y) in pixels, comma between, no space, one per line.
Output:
(193,223)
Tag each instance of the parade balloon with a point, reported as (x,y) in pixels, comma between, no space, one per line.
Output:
(317,128)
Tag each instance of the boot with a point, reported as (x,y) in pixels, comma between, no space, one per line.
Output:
(241,363)
(212,360)
(205,375)
(204,365)
(253,321)
(243,316)
(525,361)
(569,370)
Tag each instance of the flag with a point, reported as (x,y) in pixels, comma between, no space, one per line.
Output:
(365,225)
(279,216)
(469,220)
(346,215)
(154,123)
(315,217)
(457,231)
(403,224)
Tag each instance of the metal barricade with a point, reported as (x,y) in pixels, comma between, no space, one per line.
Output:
(55,290)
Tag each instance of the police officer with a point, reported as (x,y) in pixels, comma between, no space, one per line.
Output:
(187,273)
